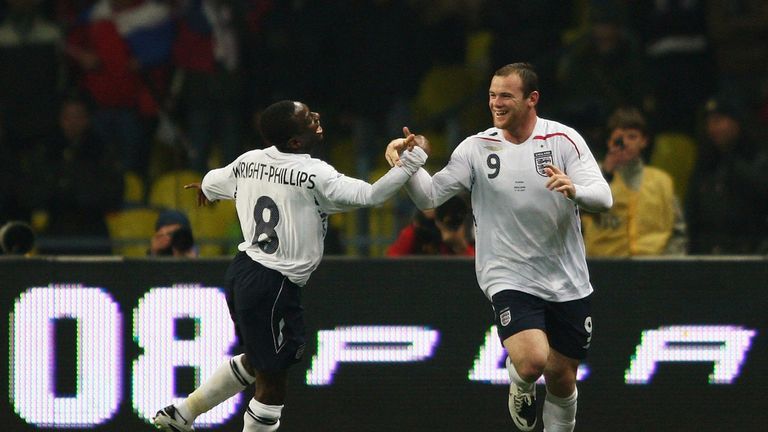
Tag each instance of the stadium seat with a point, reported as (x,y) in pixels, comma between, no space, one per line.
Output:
(438,106)
(675,153)
(133,192)
(211,226)
(167,190)
(130,230)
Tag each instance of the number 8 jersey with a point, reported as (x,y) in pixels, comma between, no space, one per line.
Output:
(283,201)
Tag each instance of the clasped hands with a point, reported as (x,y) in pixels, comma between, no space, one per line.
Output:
(558,181)
(396,147)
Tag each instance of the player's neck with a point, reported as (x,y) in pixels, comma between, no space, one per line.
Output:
(521,133)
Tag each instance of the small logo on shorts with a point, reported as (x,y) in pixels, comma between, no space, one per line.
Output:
(588,328)
(300,351)
(505,317)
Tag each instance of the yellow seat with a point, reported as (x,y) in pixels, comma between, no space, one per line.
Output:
(211,227)
(130,230)
(675,153)
(210,224)
(167,190)
(133,190)
(443,89)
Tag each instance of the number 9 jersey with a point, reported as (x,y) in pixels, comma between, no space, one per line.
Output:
(283,201)
(528,238)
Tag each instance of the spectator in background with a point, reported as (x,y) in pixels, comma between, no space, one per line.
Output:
(678,51)
(532,37)
(207,60)
(183,243)
(727,202)
(601,71)
(78,176)
(441,231)
(31,72)
(646,217)
(122,51)
(168,222)
(31,75)
(16,238)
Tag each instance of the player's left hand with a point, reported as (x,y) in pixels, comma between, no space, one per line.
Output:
(559,182)
(202,200)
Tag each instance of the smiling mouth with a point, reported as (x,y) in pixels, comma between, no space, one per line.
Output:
(497,113)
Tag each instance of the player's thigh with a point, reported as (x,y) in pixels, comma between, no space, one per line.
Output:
(569,327)
(269,318)
(520,319)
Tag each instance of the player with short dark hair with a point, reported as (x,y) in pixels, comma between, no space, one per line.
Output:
(283,198)
(530,259)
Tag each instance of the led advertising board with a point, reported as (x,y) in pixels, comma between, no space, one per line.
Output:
(402,345)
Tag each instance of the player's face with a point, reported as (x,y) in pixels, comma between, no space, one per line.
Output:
(309,121)
(509,108)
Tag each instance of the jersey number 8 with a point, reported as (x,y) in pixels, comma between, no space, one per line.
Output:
(265,236)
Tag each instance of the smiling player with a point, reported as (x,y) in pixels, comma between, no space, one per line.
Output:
(283,198)
(528,178)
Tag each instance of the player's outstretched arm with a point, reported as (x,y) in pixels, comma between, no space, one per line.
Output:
(202,200)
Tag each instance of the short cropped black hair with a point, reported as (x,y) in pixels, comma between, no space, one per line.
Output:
(278,124)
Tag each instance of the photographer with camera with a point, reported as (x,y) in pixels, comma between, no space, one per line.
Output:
(442,231)
(646,218)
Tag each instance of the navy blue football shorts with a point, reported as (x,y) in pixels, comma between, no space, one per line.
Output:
(266,309)
(568,325)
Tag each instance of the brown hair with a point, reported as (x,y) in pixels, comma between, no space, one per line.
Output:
(526,73)
(628,118)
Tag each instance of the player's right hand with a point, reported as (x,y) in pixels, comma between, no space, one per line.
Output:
(202,200)
(419,140)
(396,147)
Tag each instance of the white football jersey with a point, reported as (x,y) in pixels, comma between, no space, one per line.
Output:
(528,238)
(283,201)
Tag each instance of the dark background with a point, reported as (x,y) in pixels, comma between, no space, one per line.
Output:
(435,394)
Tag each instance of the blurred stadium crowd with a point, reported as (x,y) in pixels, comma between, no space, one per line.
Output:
(107,107)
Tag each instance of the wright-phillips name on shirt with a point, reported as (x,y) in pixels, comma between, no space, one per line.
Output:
(273,174)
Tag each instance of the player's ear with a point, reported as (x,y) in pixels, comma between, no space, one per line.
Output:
(534,97)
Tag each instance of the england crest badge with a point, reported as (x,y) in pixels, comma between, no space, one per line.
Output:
(542,159)
(505,317)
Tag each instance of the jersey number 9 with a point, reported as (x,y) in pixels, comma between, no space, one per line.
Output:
(494,163)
